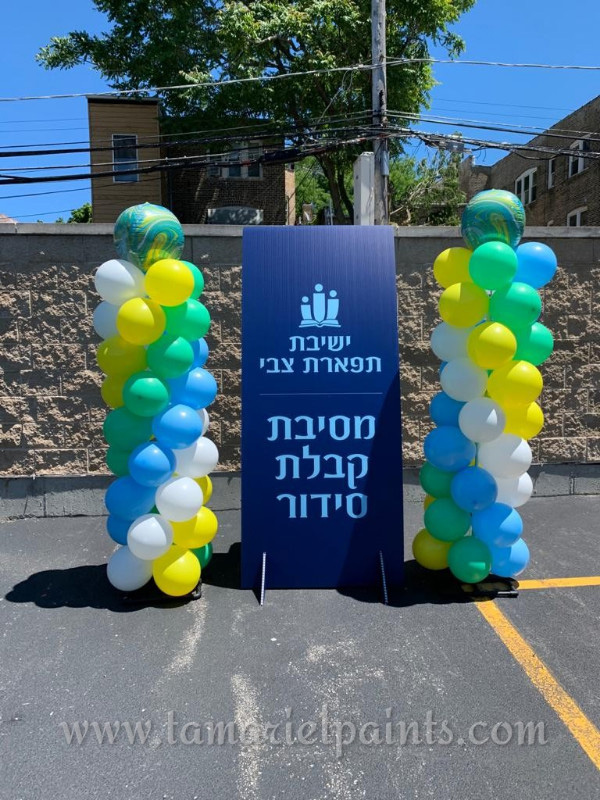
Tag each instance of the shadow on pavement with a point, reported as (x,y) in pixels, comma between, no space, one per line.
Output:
(420,587)
(86,587)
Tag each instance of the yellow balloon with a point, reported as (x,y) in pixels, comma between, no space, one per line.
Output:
(177,572)
(429,552)
(427,501)
(463,304)
(205,484)
(115,356)
(492,344)
(112,390)
(169,282)
(141,321)
(452,266)
(196,532)
(515,383)
(524,421)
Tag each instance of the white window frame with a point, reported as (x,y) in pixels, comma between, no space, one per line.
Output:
(576,214)
(527,190)
(551,173)
(127,164)
(577,163)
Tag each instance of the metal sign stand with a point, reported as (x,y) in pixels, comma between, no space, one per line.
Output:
(383,579)
(263,578)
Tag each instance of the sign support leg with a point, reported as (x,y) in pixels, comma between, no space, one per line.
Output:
(383,579)
(263,579)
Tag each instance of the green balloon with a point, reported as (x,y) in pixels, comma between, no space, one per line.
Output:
(170,356)
(470,560)
(434,481)
(118,461)
(145,395)
(517,306)
(493,265)
(198,279)
(125,430)
(203,554)
(446,521)
(190,320)
(534,344)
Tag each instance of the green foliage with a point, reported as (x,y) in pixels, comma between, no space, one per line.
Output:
(426,192)
(81,214)
(162,42)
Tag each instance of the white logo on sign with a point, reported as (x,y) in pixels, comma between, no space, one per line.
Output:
(322,312)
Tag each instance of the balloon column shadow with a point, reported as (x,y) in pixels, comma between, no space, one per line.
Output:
(224,569)
(87,587)
(420,587)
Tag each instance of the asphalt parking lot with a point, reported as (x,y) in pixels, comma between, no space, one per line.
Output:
(334,694)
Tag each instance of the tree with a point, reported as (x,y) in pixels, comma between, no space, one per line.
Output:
(426,192)
(81,214)
(160,42)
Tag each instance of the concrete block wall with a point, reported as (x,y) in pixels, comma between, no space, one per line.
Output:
(51,412)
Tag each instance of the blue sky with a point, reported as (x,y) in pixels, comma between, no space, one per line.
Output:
(514,31)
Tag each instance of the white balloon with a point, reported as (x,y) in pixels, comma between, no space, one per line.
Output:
(481,420)
(463,380)
(118,280)
(105,319)
(128,572)
(199,459)
(179,499)
(203,414)
(508,456)
(149,536)
(448,342)
(514,492)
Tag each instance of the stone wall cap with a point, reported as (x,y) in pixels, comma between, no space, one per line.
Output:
(235,231)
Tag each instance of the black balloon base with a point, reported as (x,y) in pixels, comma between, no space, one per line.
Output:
(152,595)
(493,586)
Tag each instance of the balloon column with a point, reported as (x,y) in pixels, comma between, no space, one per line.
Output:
(491,344)
(153,354)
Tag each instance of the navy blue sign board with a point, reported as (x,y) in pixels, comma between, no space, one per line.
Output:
(321,427)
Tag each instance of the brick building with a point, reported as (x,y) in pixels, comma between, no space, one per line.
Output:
(125,139)
(555,190)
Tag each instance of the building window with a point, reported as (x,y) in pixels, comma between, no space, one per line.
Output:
(577,217)
(526,186)
(125,157)
(551,172)
(234,170)
(577,161)
(254,170)
(237,169)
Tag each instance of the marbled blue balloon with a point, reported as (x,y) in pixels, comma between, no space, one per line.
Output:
(493,216)
(147,233)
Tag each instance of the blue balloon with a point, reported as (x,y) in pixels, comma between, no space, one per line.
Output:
(197,388)
(127,499)
(508,562)
(117,528)
(151,464)
(498,525)
(200,349)
(442,365)
(176,427)
(473,489)
(448,449)
(443,410)
(536,264)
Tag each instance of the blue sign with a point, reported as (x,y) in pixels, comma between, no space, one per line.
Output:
(321,428)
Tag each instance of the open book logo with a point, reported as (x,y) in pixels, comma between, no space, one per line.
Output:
(322,311)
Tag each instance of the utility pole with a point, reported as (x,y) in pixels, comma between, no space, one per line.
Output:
(379,103)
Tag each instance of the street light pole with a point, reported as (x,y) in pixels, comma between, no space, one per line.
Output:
(379,104)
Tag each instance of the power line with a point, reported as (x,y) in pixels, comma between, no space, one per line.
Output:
(392,62)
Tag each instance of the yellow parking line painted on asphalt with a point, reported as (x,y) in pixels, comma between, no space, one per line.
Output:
(555,583)
(581,728)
